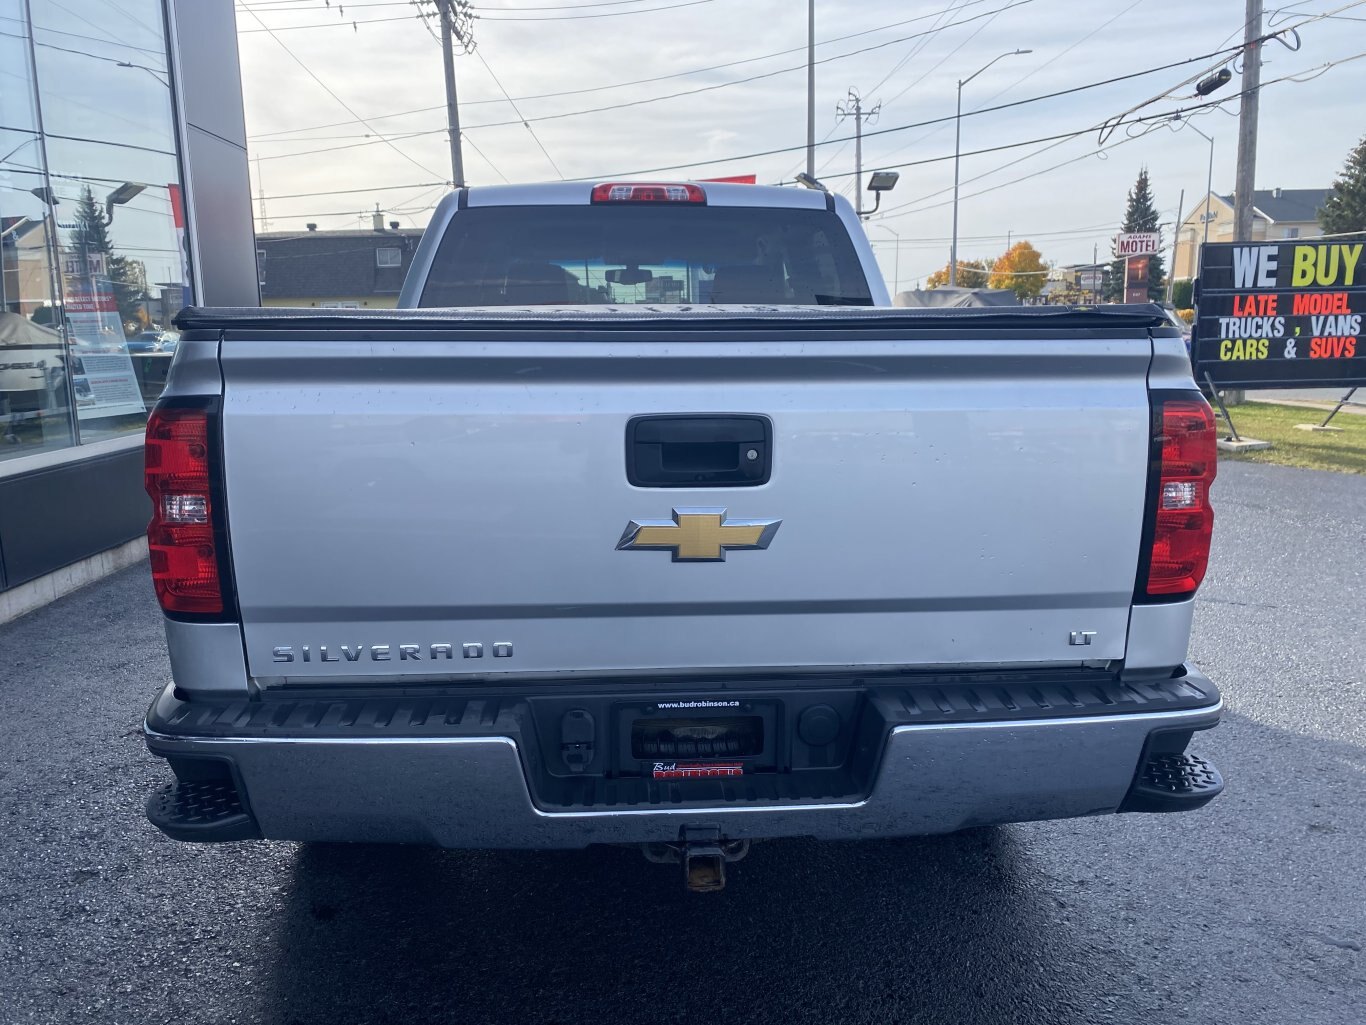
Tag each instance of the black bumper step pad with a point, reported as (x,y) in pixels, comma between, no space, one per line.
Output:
(201,812)
(901,699)
(1174,782)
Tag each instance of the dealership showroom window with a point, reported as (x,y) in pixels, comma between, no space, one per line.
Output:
(92,248)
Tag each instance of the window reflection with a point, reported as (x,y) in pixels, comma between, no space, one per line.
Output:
(90,207)
(35,397)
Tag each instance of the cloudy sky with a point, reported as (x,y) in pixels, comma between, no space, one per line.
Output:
(345,106)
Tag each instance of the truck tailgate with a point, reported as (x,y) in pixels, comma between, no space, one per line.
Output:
(409,504)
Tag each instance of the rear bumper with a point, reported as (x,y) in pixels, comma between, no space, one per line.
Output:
(456,786)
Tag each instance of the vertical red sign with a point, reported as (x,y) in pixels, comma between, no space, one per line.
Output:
(178,212)
(1136,279)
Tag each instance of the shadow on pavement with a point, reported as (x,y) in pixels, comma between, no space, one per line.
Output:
(945,929)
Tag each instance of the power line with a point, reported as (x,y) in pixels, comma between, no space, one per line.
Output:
(914,51)
(1018,81)
(919,46)
(938,120)
(1100,150)
(513,103)
(327,89)
(582,17)
(1064,52)
(1085,231)
(355,22)
(635,82)
(564,7)
(475,146)
(77,35)
(917,51)
(95,56)
(1153,121)
(351,24)
(301,5)
(902,210)
(941,62)
(1212,105)
(349,192)
(1166,115)
(86,138)
(420,203)
(1114,122)
(688,92)
(828,140)
(709,88)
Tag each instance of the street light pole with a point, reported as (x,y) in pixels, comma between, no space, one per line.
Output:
(1176,244)
(1209,184)
(957,146)
(896,260)
(811,89)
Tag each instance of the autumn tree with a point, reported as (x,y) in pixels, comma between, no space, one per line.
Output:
(1345,209)
(971,274)
(1139,215)
(1021,270)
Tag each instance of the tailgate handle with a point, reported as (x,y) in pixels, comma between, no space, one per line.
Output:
(699,450)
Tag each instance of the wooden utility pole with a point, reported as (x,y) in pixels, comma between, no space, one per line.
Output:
(449,32)
(1246,181)
(853,107)
(858,155)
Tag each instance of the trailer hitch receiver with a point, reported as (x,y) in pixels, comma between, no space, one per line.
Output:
(703,854)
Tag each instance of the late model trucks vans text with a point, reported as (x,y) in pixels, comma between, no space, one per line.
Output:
(648,520)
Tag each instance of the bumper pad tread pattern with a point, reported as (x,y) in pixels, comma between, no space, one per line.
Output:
(987,698)
(205,812)
(1174,782)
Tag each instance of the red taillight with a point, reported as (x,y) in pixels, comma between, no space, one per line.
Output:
(651,192)
(180,537)
(1183,517)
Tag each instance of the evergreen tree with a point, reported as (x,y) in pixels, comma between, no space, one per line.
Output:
(90,237)
(1140,215)
(1345,209)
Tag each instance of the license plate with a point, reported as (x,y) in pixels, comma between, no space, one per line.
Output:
(697,770)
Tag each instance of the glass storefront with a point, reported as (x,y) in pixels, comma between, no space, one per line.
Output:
(93,265)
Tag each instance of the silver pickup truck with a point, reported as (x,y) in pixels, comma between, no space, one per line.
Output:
(649,521)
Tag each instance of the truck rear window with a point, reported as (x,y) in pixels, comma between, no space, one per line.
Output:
(585,255)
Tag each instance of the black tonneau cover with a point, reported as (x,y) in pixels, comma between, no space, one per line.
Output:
(1070,320)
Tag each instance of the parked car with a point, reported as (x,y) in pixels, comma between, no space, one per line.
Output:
(1180,323)
(145,342)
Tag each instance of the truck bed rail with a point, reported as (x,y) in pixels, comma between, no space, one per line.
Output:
(984,322)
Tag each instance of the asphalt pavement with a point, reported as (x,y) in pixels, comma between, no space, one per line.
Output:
(1250,911)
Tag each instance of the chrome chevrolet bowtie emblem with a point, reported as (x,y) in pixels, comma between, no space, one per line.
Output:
(698,535)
